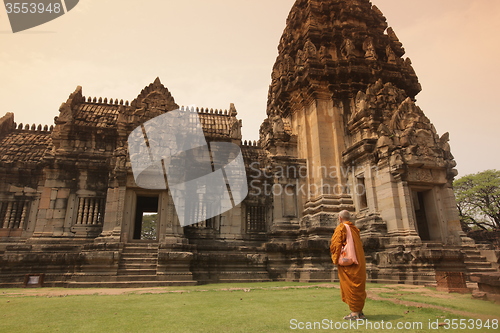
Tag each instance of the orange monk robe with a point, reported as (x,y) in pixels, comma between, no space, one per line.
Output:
(352,278)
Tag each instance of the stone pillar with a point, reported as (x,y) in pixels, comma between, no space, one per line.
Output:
(116,201)
(170,232)
(453,229)
(320,128)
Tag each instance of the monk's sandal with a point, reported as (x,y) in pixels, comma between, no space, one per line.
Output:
(352,317)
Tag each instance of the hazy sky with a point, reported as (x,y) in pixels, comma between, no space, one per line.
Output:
(211,53)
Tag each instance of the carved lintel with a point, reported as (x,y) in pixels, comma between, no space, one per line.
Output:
(420,175)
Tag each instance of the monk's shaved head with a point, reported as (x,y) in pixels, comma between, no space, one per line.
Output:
(345,215)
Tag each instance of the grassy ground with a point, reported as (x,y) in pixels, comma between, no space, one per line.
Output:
(264,307)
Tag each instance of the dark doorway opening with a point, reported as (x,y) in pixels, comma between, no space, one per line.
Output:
(146,218)
(421,216)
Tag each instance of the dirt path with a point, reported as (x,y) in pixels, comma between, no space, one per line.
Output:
(373,296)
(61,292)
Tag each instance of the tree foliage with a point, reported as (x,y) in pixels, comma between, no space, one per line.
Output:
(478,199)
(148,230)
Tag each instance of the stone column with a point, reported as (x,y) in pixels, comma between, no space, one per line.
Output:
(171,232)
(116,201)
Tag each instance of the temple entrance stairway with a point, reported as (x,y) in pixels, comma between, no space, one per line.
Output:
(475,262)
(138,263)
(137,268)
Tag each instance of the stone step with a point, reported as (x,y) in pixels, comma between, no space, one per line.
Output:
(137,271)
(135,254)
(139,250)
(140,246)
(138,264)
(480,269)
(127,266)
(470,253)
(475,262)
(474,258)
(12,285)
(145,277)
(139,260)
(149,260)
(129,284)
(484,264)
(138,254)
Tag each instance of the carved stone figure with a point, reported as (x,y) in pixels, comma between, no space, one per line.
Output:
(349,49)
(310,50)
(370,52)
(391,56)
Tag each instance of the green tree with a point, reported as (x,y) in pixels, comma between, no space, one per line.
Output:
(478,199)
(148,229)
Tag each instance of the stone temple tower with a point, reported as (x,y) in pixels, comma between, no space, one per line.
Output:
(342,113)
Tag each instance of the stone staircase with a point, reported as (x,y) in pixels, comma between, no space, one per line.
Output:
(137,268)
(475,262)
(138,262)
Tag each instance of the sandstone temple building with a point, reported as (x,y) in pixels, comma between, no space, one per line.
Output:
(342,131)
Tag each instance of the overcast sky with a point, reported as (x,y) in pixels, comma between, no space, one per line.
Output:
(211,53)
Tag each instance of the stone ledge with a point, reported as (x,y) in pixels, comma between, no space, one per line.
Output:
(488,282)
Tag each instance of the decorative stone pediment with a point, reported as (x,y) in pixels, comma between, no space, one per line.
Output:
(154,99)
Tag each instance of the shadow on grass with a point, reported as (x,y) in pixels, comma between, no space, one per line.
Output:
(383,317)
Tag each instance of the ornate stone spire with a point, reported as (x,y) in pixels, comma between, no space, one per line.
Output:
(336,47)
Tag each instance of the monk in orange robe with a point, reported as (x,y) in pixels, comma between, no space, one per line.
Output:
(352,278)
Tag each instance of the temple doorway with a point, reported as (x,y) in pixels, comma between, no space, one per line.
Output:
(427,217)
(146,219)
(422,224)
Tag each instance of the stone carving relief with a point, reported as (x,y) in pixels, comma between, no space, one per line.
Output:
(300,61)
(378,103)
(152,105)
(323,53)
(348,49)
(391,56)
(310,50)
(369,48)
(405,136)
(235,130)
(420,175)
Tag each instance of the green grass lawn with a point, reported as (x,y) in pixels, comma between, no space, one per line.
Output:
(264,307)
